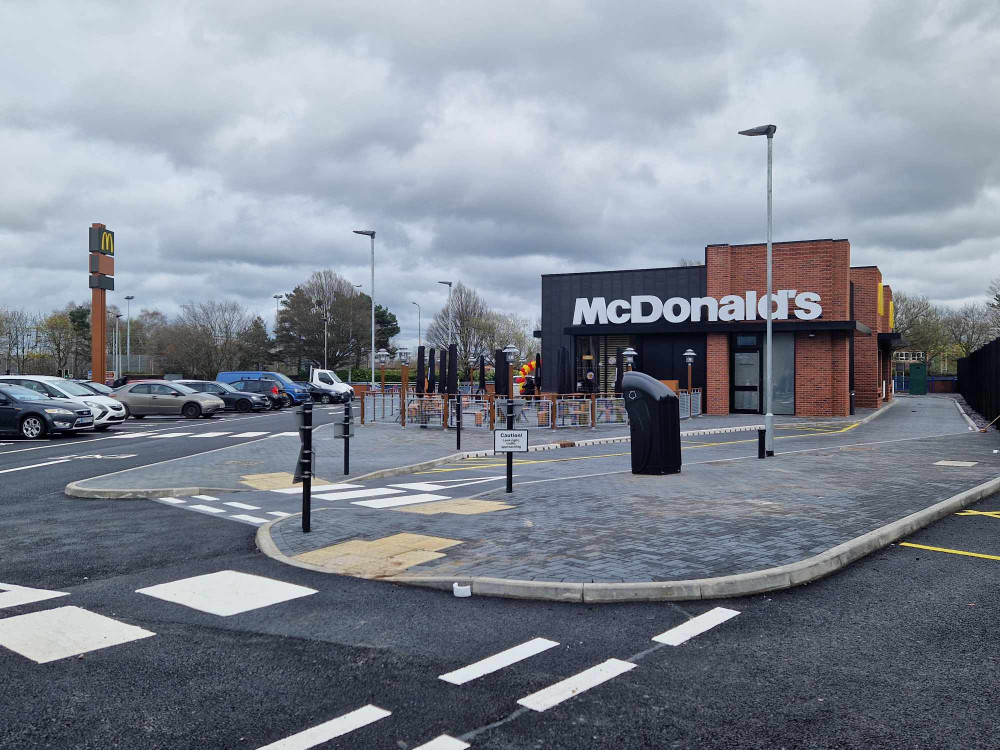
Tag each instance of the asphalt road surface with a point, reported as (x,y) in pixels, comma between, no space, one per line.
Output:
(115,648)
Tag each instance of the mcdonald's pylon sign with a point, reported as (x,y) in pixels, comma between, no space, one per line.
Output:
(102,241)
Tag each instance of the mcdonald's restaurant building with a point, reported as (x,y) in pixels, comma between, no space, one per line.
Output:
(832,328)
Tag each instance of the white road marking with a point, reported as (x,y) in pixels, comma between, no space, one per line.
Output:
(248,434)
(251,519)
(227,592)
(15,596)
(35,466)
(242,506)
(285,434)
(964,464)
(578,683)
(278,513)
(54,634)
(422,486)
(353,494)
(132,435)
(498,661)
(444,742)
(317,488)
(209,434)
(394,502)
(171,500)
(206,508)
(169,434)
(204,497)
(696,626)
(328,730)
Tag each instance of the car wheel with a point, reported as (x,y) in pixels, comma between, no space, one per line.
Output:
(33,427)
(191,411)
(326,398)
(243,406)
(101,427)
(286,400)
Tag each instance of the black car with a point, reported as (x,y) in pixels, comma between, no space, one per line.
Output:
(29,414)
(267,388)
(234,399)
(319,395)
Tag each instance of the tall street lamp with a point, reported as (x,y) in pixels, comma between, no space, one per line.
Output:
(318,305)
(371,234)
(118,346)
(128,330)
(277,297)
(769,131)
(350,333)
(451,313)
(418,323)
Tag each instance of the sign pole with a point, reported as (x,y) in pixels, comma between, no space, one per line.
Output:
(510,455)
(458,423)
(348,421)
(304,468)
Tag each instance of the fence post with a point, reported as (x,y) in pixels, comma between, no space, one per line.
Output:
(593,411)
(491,405)
(363,399)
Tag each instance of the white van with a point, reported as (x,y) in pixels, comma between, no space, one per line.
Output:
(107,411)
(339,391)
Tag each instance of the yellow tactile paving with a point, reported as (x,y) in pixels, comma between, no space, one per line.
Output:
(460,507)
(278,480)
(380,557)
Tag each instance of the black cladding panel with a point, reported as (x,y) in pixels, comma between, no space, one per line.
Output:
(560,292)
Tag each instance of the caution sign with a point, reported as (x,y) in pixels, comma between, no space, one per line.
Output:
(102,241)
(510,441)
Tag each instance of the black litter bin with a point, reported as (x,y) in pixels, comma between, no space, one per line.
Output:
(655,423)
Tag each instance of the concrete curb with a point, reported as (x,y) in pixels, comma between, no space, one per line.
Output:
(720,587)
(968,420)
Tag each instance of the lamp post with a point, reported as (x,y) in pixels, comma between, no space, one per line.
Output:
(118,345)
(350,333)
(277,303)
(767,130)
(689,356)
(371,234)
(418,323)
(510,353)
(629,355)
(319,305)
(451,313)
(128,329)
(403,354)
(382,357)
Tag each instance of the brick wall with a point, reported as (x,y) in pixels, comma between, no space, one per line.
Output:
(717,368)
(867,367)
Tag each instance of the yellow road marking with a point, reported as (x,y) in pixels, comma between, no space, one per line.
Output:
(990,513)
(949,551)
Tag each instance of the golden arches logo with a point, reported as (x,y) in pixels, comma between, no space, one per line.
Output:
(108,243)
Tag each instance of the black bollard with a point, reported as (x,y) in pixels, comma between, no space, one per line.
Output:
(761,443)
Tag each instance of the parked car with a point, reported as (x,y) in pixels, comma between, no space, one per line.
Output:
(146,397)
(28,413)
(233,399)
(296,394)
(319,395)
(266,388)
(106,411)
(98,389)
(340,392)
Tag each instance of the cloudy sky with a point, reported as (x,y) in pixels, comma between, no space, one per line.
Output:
(233,146)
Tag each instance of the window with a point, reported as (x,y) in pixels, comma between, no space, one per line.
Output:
(35,386)
(162,390)
(324,378)
(143,388)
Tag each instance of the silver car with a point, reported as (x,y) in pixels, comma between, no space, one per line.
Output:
(163,397)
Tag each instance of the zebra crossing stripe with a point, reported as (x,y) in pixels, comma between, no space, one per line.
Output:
(209,434)
(695,626)
(326,731)
(251,519)
(553,695)
(498,661)
(444,742)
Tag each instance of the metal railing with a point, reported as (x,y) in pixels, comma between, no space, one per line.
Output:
(425,410)
(475,412)
(381,407)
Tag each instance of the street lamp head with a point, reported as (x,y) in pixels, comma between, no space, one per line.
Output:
(403,355)
(511,351)
(446,283)
(382,356)
(130,297)
(365,232)
(689,356)
(630,355)
(276,296)
(767,130)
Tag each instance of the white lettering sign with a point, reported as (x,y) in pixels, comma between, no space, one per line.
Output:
(646,308)
(510,441)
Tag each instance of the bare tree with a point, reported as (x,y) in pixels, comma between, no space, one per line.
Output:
(503,329)
(969,327)
(920,323)
(471,323)
(57,332)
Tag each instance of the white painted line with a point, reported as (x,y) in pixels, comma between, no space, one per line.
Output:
(206,508)
(278,513)
(251,519)
(444,742)
(696,626)
(168,434)
(578,683)
(242,506)
(498,661)
(131,435)
(209,434)
(328,730)
(227,592)
(248,434)
(297,489)
(15,596)
(395,502)
(422,486)
(54,634)
(353,494)
(35,466)
(204,497)
(171,500)
(285,434)
(964,464)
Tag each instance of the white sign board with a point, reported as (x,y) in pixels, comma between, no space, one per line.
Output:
(510,441)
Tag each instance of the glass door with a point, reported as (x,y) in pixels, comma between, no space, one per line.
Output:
(745,374)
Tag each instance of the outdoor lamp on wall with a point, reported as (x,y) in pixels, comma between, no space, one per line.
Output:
(403,355)
(629,355)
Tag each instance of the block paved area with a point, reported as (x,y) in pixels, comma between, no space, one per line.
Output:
(584,517)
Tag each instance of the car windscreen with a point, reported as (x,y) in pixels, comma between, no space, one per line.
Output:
(281,378)
(99,388)
(330,378)
(182,388)
(73,389)
(225,386)
(21,393)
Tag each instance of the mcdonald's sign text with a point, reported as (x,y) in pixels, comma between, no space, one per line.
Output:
(102,241)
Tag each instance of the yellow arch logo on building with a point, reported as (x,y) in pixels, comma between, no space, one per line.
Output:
(108,243)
